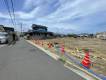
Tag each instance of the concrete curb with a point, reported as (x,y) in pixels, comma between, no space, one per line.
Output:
(83,70)
(56,57)
(53,55)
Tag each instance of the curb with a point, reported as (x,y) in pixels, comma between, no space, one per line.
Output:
(56,57)
(83,70)
(53,55)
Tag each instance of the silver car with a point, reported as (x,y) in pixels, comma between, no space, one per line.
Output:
(3,37)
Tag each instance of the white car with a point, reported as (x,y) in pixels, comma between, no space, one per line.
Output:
(3,37)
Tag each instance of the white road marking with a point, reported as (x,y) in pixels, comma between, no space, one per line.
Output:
(80,73)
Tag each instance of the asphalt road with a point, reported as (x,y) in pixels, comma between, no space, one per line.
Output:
(2,45)
(23,61)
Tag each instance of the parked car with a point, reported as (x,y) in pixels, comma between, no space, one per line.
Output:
(4,37)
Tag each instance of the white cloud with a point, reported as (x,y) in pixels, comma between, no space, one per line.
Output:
(84,9)
(77,8)
(30,15)
(6,16)
(39,8)
(32,3)
(61,13)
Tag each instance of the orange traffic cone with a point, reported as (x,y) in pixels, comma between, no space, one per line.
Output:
(62,49)
(49,45)
(42,43)
(86,61)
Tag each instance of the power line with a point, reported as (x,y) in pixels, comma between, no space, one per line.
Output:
(13,11)
(21,27)
(9,11)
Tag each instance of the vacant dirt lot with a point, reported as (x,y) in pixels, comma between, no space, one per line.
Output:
(74,47)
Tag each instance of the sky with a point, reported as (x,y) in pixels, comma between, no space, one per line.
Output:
(60,16)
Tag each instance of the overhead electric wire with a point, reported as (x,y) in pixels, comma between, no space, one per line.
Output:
(8,8)
(9,11)
(13,11)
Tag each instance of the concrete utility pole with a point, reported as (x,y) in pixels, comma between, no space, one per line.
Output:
(21,27)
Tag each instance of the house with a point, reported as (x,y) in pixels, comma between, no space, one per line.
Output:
(39,32)
(101,35)
(86,35)
(6,29)
(83,35)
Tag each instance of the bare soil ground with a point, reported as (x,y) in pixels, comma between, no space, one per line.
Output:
(74,47)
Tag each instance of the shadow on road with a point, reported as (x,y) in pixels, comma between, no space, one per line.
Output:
(12,43)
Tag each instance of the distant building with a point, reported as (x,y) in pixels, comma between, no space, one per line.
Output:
(39,32)
(1,28)
(86,35)
(101,35)
(6,29)
(83,35)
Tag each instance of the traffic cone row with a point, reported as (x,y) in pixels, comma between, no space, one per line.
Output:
(39,42)
(85,62)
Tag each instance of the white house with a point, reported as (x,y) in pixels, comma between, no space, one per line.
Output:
(101,35)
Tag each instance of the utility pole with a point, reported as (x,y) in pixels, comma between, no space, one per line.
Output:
(21,27)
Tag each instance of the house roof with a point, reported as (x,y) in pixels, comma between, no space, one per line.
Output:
(7,29)
(40,26)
